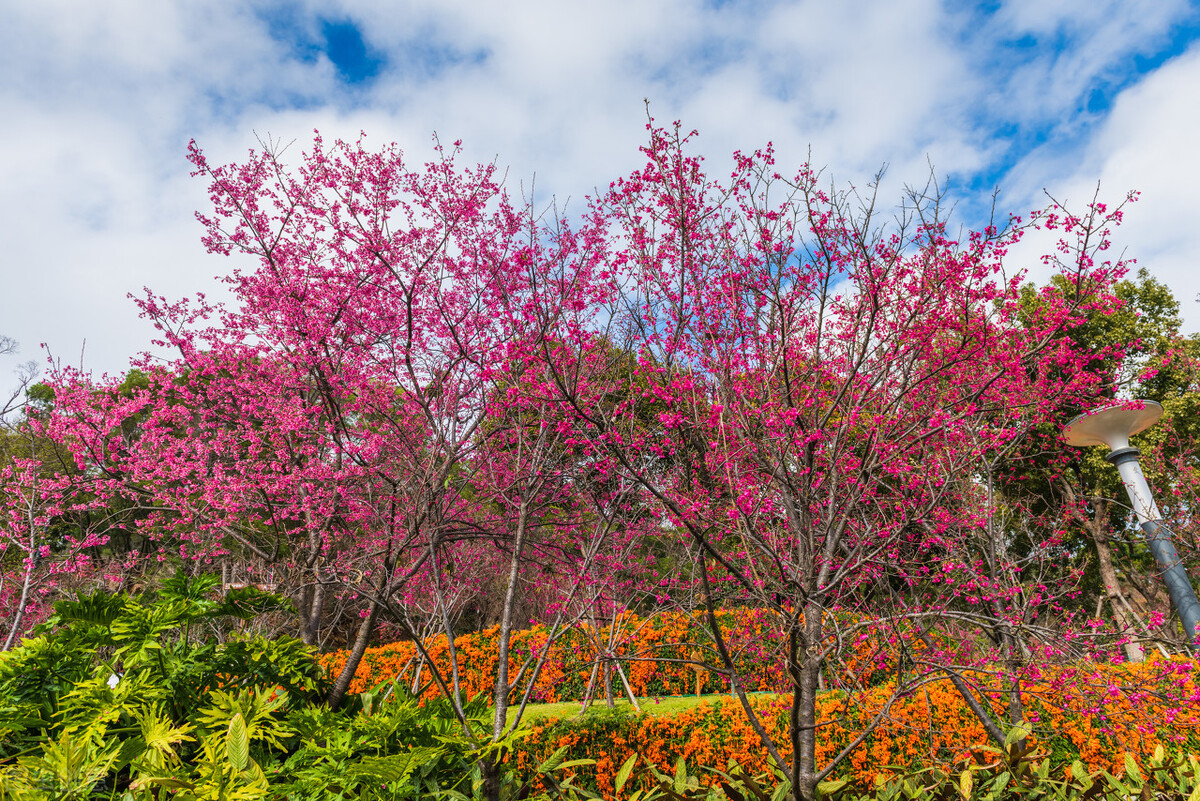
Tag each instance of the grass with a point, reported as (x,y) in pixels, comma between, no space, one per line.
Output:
(669,705)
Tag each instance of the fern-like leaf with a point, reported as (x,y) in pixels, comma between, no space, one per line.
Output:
(237,743)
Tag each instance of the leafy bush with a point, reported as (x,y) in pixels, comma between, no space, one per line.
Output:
(117,698)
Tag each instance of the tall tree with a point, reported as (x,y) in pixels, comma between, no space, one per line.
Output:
(372,415)
(828,389)
(55,525)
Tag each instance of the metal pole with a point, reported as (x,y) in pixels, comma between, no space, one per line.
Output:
(1158,538)
(1112,426)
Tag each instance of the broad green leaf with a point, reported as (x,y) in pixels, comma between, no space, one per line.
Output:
(832,786)
(1016,734)
(1116,783)
(237,743)
(552,761)
(254,775)
(160,734)
(623,773)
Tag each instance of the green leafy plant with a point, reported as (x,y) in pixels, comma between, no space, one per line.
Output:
(118,697)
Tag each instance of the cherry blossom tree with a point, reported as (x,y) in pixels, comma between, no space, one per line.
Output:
(829,392)
(372,416)
(318,424)
(53,526)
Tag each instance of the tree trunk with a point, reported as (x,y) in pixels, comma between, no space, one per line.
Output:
(1016,708)
(1123,612)
(489,766)
(316,609)
(31,563)
(628,690)
(1121,608)
(591,685)
(501,689)
(795,670)
(23,602)
(342,683)
(805,658)
(489,771)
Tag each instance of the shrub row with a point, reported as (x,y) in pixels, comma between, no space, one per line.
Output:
(653,652)
(1093,714)
(927,728)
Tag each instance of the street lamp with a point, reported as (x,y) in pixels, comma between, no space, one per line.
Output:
(1112,426)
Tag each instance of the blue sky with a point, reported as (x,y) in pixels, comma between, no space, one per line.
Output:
(99,100)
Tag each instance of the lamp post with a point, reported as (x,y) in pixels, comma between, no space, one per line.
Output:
(1112,426)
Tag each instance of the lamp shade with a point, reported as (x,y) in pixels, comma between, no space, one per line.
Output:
(1112,425)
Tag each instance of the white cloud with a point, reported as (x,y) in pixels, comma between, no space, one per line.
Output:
(1147,144)
(1069,48)
(100,99)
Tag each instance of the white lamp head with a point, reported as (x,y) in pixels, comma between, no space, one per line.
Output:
(1112,425)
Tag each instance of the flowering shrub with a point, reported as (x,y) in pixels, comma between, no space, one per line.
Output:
(930,726)
(655,653)
(658,656)
(1094,713)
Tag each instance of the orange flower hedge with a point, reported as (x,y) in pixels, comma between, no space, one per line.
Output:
(930,726)
(477,659)
(1094,714)
(653,653)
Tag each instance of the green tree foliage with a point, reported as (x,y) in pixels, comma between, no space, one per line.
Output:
(1140,348)
(131,698)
